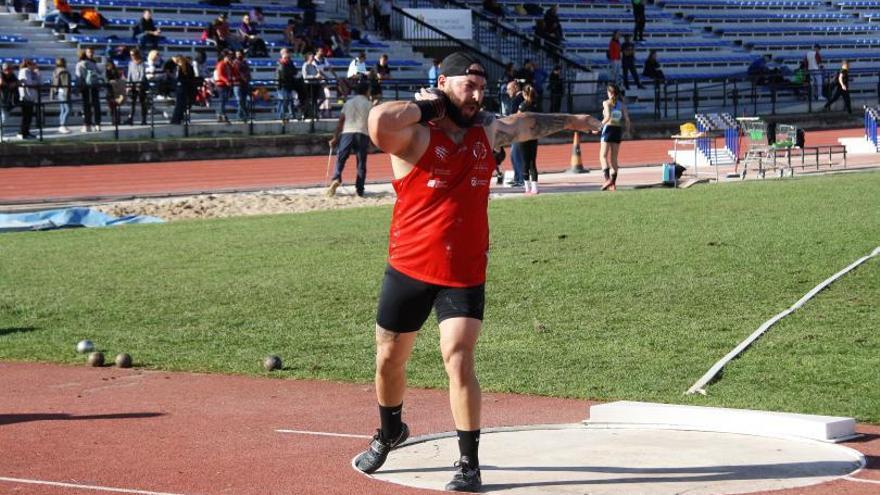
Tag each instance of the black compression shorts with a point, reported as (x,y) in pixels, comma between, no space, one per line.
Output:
(405,303)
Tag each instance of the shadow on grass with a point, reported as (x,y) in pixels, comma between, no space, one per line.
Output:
(11,330)
(8,419)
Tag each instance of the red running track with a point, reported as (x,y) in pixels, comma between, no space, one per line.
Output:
(67,183)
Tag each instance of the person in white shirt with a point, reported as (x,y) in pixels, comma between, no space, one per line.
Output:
(352,134)
(327,74)
(814,65)
(358,66)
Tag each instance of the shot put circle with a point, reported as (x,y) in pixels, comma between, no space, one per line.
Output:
(272,363)
(96,359)
(123,360)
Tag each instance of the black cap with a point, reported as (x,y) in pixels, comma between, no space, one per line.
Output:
(458,64)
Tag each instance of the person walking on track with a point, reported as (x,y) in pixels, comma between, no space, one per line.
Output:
(352,135)
(441,157)
(614,114)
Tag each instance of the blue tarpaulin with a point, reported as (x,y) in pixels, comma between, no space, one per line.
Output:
(65,218)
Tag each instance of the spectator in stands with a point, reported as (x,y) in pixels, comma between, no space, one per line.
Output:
(249,36)
(242,70)
(526,74)
(614,55)
(494,8)
(375,86)
(28,92)
(383,70)
(352,135)
(155,74)
(800,81)
(311,75)
(63,17)
(119,54)
(89,82)
(310,11)
(628,57)
(325,68)
(293,36)
(343,31)
(529,148)
(60,92)
(137,80)
(285,76)
(198,64)
(510,106)
(355,13)
(817,76)
(220,34)
(841,89)
(146,32)
(224,80)
(639,20)
(614,114)
(185,89)
(115,91)
(553,26)
(257,16)
(509,75)
(386,7)
(652,68)
(358,66)
(433,72)
(557,89)
(8,91)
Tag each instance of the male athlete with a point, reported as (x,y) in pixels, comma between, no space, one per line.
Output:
(441,155)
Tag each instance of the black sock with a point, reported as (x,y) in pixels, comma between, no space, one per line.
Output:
(607,173)
(614,177)
(469,446)
(391,421)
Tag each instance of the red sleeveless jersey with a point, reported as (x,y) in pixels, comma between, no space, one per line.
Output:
(440,225)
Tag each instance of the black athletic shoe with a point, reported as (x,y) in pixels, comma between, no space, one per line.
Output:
(467,479)
(373,458)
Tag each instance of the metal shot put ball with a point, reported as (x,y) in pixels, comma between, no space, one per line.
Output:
(123,360)
(84,346)
(96,359)
(272,363)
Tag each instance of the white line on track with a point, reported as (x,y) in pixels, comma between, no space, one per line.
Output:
(324,434)
(850,478)
(83,487)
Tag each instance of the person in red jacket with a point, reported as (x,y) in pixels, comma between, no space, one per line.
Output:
(615,54)
(441,156)
(224,80)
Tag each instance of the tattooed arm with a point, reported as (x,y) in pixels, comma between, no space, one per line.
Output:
(528,126)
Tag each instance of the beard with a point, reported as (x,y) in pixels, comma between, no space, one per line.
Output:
(453,111)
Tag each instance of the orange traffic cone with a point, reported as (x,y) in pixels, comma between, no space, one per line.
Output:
(577,166)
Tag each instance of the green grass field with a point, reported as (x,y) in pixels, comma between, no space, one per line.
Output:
(630,295)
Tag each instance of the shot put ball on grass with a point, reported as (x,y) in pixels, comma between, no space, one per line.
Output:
(123,360)
(96,359)
(272,363)
(84,346)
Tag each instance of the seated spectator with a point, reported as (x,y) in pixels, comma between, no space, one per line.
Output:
(120,54)
(762,72)
(63,18)
(383,70)
(219,33)
(652,68)
(249,36)
(146,33)
(494,8)
(257,16)
(800,81)
(344,34)
(8,90)
(553,26)
(358,66)
(293,36)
